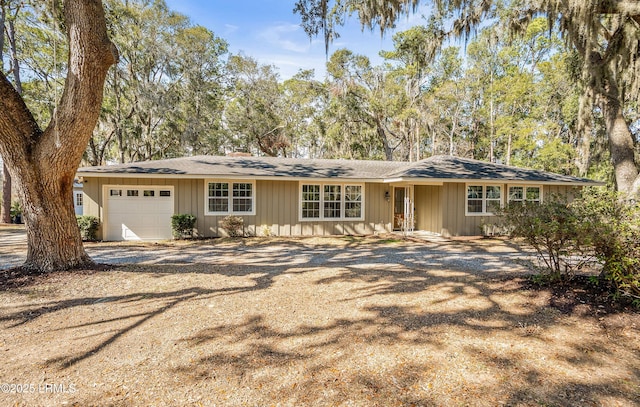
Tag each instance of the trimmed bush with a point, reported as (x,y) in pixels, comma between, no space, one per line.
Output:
(88,227)
(233,225)
(182,225)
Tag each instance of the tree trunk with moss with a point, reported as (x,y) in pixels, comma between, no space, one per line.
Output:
(43,162)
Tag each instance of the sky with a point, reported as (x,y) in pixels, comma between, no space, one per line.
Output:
(268,31)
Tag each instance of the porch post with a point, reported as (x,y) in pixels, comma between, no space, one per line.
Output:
(408,221)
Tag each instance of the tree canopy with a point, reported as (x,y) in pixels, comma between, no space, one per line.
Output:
(603,35)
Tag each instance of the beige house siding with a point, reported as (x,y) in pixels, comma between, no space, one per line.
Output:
(454,220)
(439,209)
(456,223)
(428,208)
(277,208)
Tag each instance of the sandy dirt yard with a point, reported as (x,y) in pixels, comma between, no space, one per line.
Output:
(312,321)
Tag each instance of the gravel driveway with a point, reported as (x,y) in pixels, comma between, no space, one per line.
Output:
(484,256)
(318,321)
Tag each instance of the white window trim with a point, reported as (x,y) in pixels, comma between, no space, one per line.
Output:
(484,185)
(524,186)
(230,198)
(342,218)
(78,197)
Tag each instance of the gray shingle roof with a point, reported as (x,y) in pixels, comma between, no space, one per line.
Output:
(446,167)
(252,167)
(434,168)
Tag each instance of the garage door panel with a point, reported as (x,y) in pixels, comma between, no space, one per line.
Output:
(133,216)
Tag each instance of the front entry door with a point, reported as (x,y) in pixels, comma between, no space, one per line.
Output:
(403,209)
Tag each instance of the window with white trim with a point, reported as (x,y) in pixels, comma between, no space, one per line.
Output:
(310,201)
(331,201)
(242,197)
(523,194)
(353,201)
(230,198)
(79,198)
(483,199)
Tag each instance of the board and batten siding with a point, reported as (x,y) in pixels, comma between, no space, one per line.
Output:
(456,223)
(187,198)
(428,208)
(439,209)
(277,208)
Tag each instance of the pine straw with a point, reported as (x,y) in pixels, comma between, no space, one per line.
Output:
(315,321)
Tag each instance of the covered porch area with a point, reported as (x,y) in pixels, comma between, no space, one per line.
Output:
(417,207)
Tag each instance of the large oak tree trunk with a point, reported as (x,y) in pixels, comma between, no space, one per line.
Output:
(43,163)
(621,145)
(51,221)
(621,148)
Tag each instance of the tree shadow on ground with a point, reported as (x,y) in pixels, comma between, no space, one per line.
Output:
(404,325)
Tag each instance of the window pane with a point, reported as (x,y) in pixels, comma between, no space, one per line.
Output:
(218,193)
(311,201)
(493,192)
(474,192)
(115,192)
(311,193)
(332,201)
(242,197)
(474,206)
(353,201)
(242,190)
(78,199)
(352,209)
(353,193)
(218,205)
(132,192)
(332,192)
(242,204)
(165,193)
(218,189)
(533,194)
(311,209)
(148,192)
(516,193)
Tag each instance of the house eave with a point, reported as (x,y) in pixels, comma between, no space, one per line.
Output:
(128,175)
(440,181)
(400,180)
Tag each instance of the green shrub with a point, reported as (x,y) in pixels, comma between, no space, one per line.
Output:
(233,225)
(599,226)
(182,225)
(553,229)
(88,227)
(612,227)
(16,212)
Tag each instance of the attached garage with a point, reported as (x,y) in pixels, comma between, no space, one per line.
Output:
(134,212)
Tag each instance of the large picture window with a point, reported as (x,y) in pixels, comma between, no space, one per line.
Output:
(225,198)
(483,199)
(331,201)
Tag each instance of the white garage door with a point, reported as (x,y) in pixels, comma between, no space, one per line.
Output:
(138,213)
